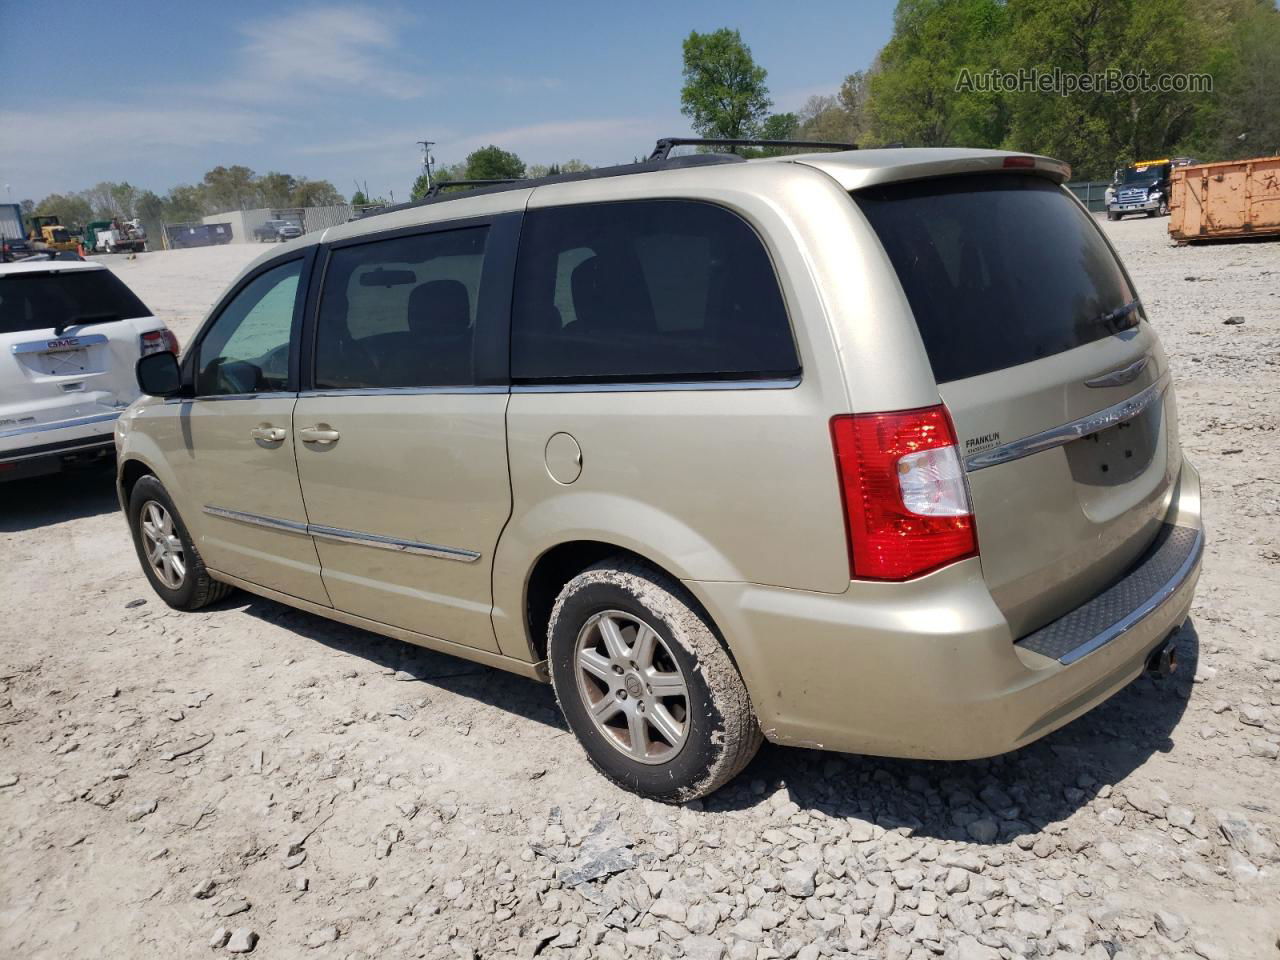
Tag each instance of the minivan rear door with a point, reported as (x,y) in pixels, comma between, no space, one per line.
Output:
(1056,384)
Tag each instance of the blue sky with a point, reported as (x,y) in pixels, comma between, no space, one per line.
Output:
(158,92)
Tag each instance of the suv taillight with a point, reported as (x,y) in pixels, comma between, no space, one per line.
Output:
(158,341)
(906,504)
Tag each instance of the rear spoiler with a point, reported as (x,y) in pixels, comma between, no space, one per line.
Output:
(869,168)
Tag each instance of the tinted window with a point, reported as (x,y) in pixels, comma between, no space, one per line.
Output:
(247,348)
(646,291)
(401,312)
(39,301)
(999,270)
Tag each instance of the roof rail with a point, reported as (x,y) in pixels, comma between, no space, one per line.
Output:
(436,188)
(663,147)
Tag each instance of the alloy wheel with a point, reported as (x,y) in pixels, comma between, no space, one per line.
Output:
(163,546)
(632,687)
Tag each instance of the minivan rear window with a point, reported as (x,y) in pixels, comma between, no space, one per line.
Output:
(44,300)
(1000,270)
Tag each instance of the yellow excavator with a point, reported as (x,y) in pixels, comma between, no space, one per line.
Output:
(48,233)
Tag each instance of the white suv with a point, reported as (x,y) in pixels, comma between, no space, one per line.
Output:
(70,335)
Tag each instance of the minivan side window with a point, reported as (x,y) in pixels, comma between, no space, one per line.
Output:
(646,291)
(246,350)
(400,312)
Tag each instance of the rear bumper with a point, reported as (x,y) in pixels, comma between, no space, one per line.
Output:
(28,450)
(930,669)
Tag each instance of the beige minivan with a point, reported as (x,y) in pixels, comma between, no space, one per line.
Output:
(870,451)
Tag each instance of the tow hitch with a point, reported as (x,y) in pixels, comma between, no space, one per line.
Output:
(1163,660)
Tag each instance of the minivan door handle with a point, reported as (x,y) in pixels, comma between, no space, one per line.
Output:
(320,433)
(268,433)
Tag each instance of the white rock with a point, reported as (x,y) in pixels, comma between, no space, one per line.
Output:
(968,948)
(243,940)
(219,938)
(318,938)
(1171,925)
(701,919)
(668,909)
(799,881)
(1031,924)
(702,948)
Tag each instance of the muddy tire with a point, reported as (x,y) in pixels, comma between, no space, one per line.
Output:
(168,557)
(645,684)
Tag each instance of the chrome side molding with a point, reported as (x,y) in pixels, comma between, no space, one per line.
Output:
(391,543)
(257,520)
(1115,414)
(339,535)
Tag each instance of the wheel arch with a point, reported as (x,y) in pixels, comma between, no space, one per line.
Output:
(559,564)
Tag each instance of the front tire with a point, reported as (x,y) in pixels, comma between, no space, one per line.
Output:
(646,686)
(168,557)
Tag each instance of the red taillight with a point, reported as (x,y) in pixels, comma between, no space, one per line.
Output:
(1028,162)
(158,341)
(906,505)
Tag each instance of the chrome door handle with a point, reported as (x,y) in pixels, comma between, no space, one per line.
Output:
(321,433)
(268,433)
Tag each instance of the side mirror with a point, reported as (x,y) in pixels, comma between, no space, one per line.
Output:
(159,375)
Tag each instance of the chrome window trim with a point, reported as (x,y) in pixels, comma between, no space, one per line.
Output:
(257,520)
(1057,436)
(220,397)
(402,391)
(59,424)
(786,383)
(1137,615)
(339,535)
(42,346)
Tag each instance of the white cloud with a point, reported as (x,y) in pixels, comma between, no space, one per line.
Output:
(322,49)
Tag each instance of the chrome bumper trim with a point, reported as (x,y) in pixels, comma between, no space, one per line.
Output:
(1058,436)
(339,535)
(60,424)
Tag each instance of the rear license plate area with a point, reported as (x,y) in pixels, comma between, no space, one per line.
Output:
(1119,454)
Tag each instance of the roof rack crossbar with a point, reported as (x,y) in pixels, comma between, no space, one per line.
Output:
(663,147)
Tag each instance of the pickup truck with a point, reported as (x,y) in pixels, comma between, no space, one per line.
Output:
(277,231)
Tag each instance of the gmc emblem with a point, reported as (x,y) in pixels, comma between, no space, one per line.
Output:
(63,343)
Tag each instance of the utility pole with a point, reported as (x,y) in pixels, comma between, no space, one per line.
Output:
(426,158)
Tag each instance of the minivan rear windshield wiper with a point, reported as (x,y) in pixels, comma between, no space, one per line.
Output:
(85,319)
(1114,318)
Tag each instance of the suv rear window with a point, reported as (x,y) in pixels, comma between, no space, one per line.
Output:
(41,301)
(646,291)
(999,270)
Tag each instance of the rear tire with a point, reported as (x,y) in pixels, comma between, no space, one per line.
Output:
(627,645)
(1112,216)
(168,557)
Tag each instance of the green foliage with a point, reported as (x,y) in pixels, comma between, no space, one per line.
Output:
(220,190)
(72,210)
(911,94)
(493,163)
(724,92)
(913,98)
(358,199)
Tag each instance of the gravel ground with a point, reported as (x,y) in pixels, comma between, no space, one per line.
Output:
(251,778)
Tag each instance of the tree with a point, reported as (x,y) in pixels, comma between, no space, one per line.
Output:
(72,210)
(493,163)
(724,93)
(276,189)
(914,98)
(184,203)
(358,199)
(315,193)
(230,188)
(28,207)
